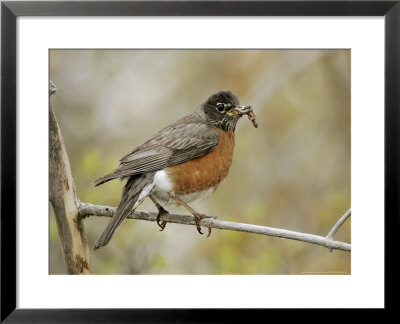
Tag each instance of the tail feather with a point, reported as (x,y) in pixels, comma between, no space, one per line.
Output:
(130,195)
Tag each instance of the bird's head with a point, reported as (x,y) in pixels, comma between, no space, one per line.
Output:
(223,110)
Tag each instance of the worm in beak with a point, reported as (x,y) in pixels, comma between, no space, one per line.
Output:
(246,110)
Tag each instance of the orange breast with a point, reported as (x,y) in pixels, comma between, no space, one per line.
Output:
(206,171)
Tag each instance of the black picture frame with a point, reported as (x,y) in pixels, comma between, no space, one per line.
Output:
(11,10)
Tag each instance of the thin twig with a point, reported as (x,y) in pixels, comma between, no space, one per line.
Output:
(86,210)
(339,223)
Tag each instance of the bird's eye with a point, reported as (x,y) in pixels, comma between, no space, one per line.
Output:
(220,107)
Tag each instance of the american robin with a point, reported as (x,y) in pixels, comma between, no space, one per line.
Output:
(183,162)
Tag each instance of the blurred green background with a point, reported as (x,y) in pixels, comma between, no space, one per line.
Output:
(293,172)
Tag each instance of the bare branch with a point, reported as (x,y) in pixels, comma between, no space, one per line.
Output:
(65,202)
(338,224)
(86,210)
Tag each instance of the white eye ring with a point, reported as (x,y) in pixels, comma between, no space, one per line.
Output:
(220,107)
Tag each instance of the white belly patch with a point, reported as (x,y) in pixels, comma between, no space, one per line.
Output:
(162,182)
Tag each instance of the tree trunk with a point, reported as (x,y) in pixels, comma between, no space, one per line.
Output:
(65,203)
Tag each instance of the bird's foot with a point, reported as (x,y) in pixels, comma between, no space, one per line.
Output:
(161,211)
(197,218)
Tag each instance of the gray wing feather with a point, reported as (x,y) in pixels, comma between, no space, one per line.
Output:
(184,140)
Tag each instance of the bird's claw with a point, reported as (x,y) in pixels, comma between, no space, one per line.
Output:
(162,224)
(197,218)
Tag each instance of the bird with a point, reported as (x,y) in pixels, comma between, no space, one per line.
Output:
(183,162)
